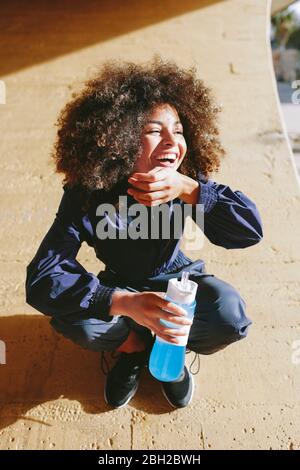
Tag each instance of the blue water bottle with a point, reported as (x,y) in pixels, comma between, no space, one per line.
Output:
(167,359)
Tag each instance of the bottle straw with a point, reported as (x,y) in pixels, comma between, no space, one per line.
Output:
(184,278)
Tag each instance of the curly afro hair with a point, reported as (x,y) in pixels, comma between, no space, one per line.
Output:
(99,130)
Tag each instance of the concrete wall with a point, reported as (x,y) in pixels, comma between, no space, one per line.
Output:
(246,395)
(278,5)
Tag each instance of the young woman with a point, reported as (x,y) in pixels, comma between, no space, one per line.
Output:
(147,133)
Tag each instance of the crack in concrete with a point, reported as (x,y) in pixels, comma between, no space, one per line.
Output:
(131,431)
(202,441)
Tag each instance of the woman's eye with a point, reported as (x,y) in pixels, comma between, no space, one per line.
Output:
(157,131)
(177,132)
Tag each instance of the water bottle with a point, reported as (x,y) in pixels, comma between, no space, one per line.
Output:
(167,359)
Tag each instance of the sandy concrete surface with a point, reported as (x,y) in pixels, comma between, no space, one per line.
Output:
(247,396)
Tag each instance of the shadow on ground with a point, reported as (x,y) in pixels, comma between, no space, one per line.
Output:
(41,365)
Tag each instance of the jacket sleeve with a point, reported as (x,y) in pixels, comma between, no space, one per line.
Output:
(231,219)
(56,283)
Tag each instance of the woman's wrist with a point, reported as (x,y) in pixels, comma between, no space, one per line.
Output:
(190,190)
(119,304)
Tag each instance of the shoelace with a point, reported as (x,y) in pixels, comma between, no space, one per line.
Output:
(104,362)
(196,359)
(115,354)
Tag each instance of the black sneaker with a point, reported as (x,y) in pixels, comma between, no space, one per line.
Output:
(123,379)
(180,392)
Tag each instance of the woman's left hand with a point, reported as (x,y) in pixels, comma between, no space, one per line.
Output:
(159,185)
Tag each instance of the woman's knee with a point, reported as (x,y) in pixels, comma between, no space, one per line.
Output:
(231,314)
(223,307)
(223,322)
(94,334)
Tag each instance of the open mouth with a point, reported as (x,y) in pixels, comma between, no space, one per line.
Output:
(166,161)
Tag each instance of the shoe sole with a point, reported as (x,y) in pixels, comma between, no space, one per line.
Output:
(126,402)
(192,394)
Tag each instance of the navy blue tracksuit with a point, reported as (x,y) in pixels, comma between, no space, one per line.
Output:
(79,301)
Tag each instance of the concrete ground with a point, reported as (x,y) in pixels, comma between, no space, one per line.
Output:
(247,396)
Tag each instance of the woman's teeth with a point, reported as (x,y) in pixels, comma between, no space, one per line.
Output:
(170,158)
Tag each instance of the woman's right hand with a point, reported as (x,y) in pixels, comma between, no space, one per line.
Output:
(147,308)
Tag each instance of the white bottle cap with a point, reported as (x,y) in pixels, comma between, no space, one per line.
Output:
(182,292)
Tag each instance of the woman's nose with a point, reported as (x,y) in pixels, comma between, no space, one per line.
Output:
(169,138)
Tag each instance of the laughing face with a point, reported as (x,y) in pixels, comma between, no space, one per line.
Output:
(163,143)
